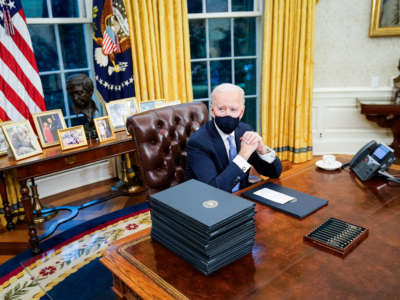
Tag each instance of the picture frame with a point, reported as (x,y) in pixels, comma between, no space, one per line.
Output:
(104,128)
(21,139)
(47,123)
(385,18)
(153,104)
(3,142)
(72,137)
(117,109)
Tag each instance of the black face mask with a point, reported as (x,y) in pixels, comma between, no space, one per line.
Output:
(227,124)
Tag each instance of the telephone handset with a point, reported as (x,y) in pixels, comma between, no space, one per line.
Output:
(373,158)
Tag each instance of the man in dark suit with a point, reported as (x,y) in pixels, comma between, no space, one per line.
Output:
(222,151)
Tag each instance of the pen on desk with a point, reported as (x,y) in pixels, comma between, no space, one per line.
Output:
(328,239)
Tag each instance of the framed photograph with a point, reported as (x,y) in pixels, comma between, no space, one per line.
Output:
(47,123)
(148,105)
(3,143)
(72,137)
(117,110)
(21,139)
(385,18)
(104,128)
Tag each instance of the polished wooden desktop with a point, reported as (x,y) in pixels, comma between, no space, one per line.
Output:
(53,160)
(282,265)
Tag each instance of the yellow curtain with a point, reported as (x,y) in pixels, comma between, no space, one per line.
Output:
(159,33)
(287,77)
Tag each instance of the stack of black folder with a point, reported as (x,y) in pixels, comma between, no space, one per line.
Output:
(207,227)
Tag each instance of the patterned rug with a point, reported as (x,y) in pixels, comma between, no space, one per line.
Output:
(69,267)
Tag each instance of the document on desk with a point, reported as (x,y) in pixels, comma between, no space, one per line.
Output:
(274,196)
(290,201)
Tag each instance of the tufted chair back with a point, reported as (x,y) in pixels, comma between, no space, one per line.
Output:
(161,136)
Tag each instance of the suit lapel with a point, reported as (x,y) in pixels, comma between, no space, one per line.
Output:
(219,144)
(238,134)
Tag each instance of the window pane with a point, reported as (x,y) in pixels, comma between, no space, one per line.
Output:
(73,46)
(245,36)
(250,113)
(35,8)
(53,95)
(65,8)
(242,5)
(194,6)
(199,80)
(245,75)
(220,37)
(221,71)
(197,29)
(217,5)
(44,47)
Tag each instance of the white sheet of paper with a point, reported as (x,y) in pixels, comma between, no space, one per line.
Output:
(274,196)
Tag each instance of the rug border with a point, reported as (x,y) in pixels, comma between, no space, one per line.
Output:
(13,266)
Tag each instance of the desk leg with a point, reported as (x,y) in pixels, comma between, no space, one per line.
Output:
(27,202)
(6,205)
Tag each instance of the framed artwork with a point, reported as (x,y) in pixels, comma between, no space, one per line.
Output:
(21,139)
(148,105)
(72,137)
(104,128)
(47,123)
(117,110)
(3,143)
(385,18)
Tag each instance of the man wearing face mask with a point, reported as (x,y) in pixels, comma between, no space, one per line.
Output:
(222,151)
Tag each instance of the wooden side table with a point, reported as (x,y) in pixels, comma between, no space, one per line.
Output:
(386,114)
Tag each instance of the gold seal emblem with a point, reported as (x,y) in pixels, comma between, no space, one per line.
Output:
(210,204)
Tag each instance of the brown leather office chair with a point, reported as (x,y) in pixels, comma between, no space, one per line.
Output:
(161,136)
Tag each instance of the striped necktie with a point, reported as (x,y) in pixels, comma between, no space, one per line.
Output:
(232,155)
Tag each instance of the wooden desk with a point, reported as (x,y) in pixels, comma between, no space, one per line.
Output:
(54,160)
(282,265)
(387,115)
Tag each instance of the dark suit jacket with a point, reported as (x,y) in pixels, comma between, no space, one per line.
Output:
(207,160)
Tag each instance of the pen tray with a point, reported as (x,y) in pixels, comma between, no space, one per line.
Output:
(337,236)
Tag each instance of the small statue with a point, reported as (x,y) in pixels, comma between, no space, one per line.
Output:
(80,89)
(396,85)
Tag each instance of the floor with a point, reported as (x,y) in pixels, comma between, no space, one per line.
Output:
(14,242)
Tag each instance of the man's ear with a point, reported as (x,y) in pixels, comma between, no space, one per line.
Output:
(212,112)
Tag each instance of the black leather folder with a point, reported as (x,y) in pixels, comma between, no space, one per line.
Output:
(204,264)
(301,207)
(181,225)
(201,205)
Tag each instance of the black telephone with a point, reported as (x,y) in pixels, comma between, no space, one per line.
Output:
(372,159)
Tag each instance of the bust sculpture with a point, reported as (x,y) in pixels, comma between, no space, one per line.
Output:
(80,89)
(396,85)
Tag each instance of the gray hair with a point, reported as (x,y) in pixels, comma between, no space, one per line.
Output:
(227,87)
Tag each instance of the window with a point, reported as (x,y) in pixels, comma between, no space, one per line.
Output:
(60,31)
(224,48)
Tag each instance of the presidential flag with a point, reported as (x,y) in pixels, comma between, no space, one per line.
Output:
(21,92)
(111,50)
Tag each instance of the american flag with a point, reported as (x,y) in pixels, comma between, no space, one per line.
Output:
(110,42)
(21,92)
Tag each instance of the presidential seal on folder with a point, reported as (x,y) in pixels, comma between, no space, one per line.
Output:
(207,227)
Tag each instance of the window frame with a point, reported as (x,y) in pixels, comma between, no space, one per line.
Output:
(257,13)
(85,19)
